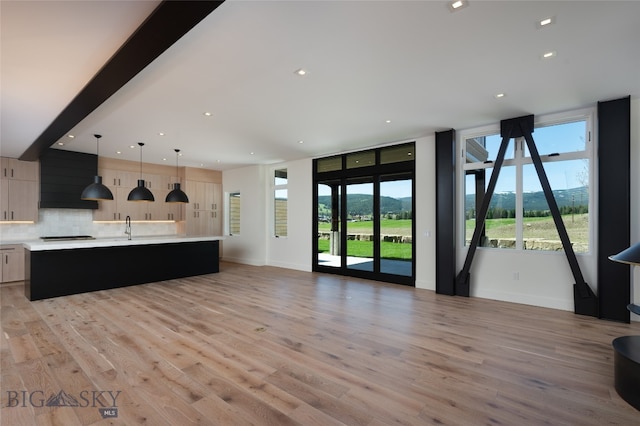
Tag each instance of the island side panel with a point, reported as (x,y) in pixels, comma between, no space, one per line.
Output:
(53,273)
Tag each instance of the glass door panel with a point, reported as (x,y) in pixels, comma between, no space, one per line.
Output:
(396,227)
(328,238)
(359,215)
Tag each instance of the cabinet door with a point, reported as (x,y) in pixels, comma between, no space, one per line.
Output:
(161,210)
(23,196)
(107,209)
(118,178)
(137,210)
(4,200)
(12,257)
(217,209)
(12,168)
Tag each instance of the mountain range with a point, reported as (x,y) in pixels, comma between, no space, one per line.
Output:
(362,204)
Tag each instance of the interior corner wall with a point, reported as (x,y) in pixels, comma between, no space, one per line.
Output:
(249,247)
(294,250)
(425,216)
(635,197)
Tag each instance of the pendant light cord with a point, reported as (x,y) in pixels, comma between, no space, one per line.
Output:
(177,154)
(141,145)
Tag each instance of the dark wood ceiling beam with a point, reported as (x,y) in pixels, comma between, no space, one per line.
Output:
(166,25)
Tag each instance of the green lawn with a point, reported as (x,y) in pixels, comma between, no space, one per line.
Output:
(388,226)
(365,249)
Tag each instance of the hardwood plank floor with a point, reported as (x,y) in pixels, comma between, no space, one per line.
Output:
(270,346)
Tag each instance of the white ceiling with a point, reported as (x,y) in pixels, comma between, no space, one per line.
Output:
(415,63)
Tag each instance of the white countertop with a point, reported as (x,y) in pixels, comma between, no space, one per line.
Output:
(114,242)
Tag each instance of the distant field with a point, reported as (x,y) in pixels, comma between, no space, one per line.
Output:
(534,227)
(539,227)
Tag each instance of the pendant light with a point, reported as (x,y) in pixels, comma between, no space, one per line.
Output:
(177,195)
(96,190)
(630,256)
(140,192)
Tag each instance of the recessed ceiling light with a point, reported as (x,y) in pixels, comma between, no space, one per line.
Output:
(548,55)
(546,22)
(208,114)
(132,146)
(301,142)
(70,136)
(300,72)
(161,134)
(388,121)
(499,95)
(164,159)
(118,152)
(457,5)
(61,143)
(251,152)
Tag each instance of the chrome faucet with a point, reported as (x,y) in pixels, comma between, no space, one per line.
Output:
(127,228)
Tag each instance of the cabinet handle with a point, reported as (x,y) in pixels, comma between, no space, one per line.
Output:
(11,172)
(114,216)
(11,214)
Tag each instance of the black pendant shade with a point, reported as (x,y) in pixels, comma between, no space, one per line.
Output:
(96,190)
(630,256)
(176,195)
(140,192)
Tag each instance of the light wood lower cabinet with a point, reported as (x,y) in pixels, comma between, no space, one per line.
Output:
(12,268)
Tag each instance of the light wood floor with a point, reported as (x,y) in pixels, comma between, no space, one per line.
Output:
(269,346)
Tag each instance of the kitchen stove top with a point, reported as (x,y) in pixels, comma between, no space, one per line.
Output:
(66,237)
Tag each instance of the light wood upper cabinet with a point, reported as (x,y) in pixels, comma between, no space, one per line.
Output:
(122,176)
(19,198)
(12,168)
(204,212)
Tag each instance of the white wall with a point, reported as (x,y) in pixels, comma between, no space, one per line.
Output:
(426,213)
(295,250)
(249,246)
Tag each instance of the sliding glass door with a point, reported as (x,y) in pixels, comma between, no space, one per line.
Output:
(364,205)
(360,224)
(396,224)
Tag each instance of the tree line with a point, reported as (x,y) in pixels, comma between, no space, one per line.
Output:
(500,213)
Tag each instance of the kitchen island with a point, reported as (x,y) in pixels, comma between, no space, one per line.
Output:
(61,268)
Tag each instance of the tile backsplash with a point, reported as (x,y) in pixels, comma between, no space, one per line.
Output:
(56,222)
